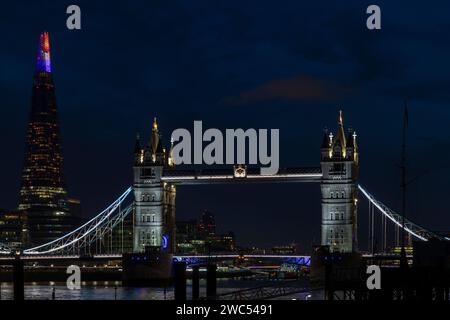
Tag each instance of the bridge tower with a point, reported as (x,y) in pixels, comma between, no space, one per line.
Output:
(339,163)
(154,215)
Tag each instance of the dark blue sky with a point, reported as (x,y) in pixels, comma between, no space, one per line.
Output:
(262,64)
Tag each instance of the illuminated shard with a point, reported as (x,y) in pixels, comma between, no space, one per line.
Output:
(43,195)
(43,56)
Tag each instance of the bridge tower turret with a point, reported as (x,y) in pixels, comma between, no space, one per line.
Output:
(339,163)
(154,216)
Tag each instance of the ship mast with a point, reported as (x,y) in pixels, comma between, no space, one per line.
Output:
(403,259)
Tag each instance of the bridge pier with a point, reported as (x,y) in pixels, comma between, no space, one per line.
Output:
(326,266)
(211,281)
(18,280)
(147,269)
(195,283)
(180,280)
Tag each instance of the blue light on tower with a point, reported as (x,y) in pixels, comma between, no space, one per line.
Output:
(165,241)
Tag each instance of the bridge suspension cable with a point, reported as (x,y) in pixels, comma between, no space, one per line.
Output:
(101,226)
(4,249)
(410,227)
(92,231)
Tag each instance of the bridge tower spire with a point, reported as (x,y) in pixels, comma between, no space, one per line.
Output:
(339,188)
(154,226)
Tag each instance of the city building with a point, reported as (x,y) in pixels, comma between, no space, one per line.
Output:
(43,195)
(75,208)
(252,250)
(120,239)
(200,237)
(187,233)
(13,228)
(207,225)
(187,230)
(220,243)
(284,250)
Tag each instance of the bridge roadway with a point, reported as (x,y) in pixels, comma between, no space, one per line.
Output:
(249,175)
(300,259)
(30,257)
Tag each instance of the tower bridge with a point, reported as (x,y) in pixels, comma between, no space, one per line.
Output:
(156,178)
(151,202)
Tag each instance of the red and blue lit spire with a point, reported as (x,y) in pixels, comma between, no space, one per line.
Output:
(43,56)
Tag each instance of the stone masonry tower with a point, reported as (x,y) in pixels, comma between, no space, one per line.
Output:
(339,188)
(154,216)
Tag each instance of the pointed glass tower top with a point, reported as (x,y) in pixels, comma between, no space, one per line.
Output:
(43,56)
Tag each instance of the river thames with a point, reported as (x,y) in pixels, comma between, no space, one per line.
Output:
(113,290)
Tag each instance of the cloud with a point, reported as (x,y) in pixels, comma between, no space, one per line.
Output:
(301,87)
(428,90)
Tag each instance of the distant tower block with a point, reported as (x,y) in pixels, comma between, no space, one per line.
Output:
(154,217)
(339,190)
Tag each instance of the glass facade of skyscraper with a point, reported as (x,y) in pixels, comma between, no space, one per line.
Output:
(43,195)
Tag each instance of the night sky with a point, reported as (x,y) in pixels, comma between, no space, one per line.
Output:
(251,64)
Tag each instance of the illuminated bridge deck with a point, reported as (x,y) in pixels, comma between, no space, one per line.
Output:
(189,259)
(302,174)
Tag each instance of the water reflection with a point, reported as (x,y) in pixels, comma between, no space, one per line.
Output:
(111,290)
